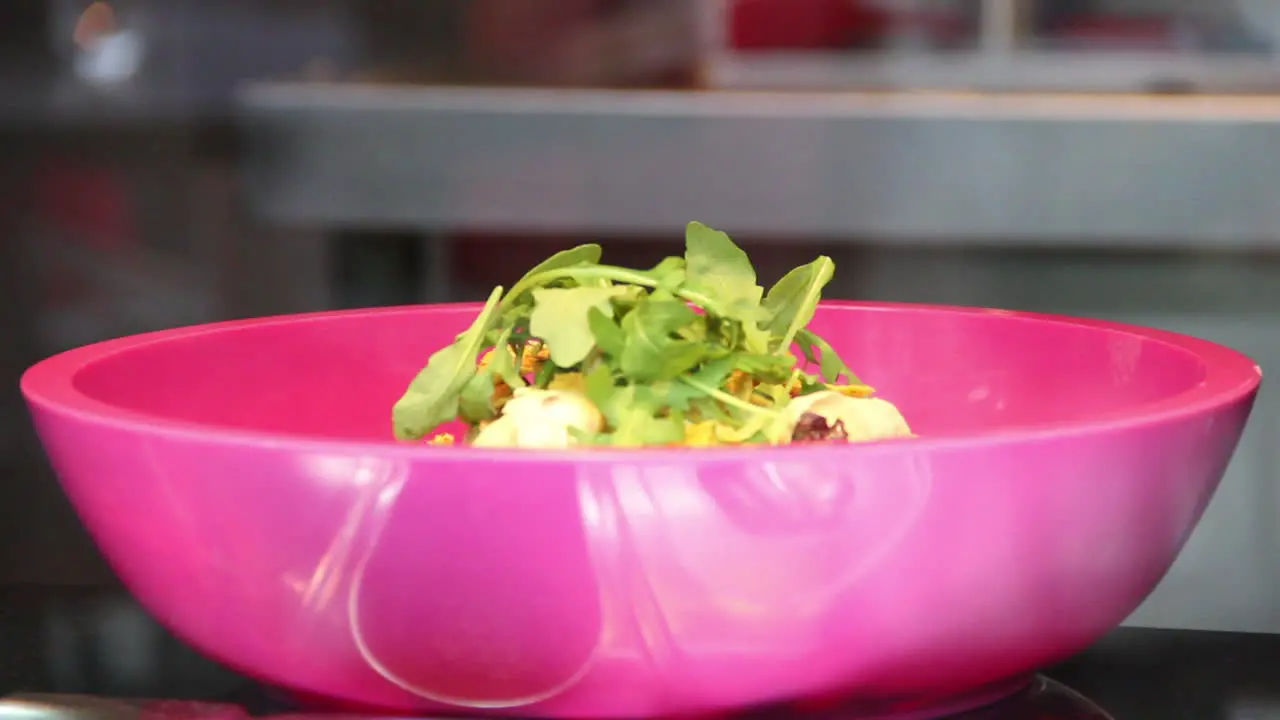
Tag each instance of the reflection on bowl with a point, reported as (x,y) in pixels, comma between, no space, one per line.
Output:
(241,479)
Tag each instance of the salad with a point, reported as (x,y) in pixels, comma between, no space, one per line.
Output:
(692,352)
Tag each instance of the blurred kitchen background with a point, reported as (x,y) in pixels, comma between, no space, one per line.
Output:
(166,162)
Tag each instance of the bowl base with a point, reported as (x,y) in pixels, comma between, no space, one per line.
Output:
(1028,689)
(933,708)
(1024,697)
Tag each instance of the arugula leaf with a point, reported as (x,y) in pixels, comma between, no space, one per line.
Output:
(695,331)
(601,391)
(518,325)
(648,329)
(589,439)
(753,425)
(561,319)
(609,337)
(709,409)
(588,254)
(681,357)
(793,300)
(669,274)
(673,395)
(432,397)
(729,402)
(810,384)
(546,374)
(756,339)
(779,429)
(720,270)
(474,402)
(713,373)
(504,362)
(806,348)
(637,422)
(828,359)
(765,366)
(681,396)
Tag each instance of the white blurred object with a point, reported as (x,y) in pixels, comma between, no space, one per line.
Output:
(103,43)
(190,54)
(111,58)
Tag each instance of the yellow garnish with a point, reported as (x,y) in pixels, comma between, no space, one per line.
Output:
(487,358)
(701,434)
(572,381)
(442,439)
(857,391)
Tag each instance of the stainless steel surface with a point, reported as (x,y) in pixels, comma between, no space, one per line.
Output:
(1135,674)
(1195,171)
(37,706)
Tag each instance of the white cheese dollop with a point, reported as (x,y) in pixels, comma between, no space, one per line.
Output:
(864,419)
(536,418)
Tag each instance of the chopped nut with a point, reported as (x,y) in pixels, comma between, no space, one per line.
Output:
(739,384)
(535,354)
(502,394)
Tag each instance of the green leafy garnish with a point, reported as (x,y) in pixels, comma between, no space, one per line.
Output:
(561,319)
(651,351)
(434,395)
(833,368)
(792,301)
(609,337)
(573,257)
(691,351)
(719,269)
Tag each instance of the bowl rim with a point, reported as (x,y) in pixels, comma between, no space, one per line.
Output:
(1230,376)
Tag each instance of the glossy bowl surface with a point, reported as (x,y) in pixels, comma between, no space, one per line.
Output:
(241,480)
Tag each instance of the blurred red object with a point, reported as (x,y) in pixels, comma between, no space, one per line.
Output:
(802,24)
(88,203)
(1131,33)
(508,38)
(580,42)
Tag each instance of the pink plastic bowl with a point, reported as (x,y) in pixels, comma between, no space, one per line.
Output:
(241,480)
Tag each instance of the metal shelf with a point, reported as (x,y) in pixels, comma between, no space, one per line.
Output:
(1022,70)
(1128,169)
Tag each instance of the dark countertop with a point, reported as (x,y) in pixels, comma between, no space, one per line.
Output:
(99,642)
